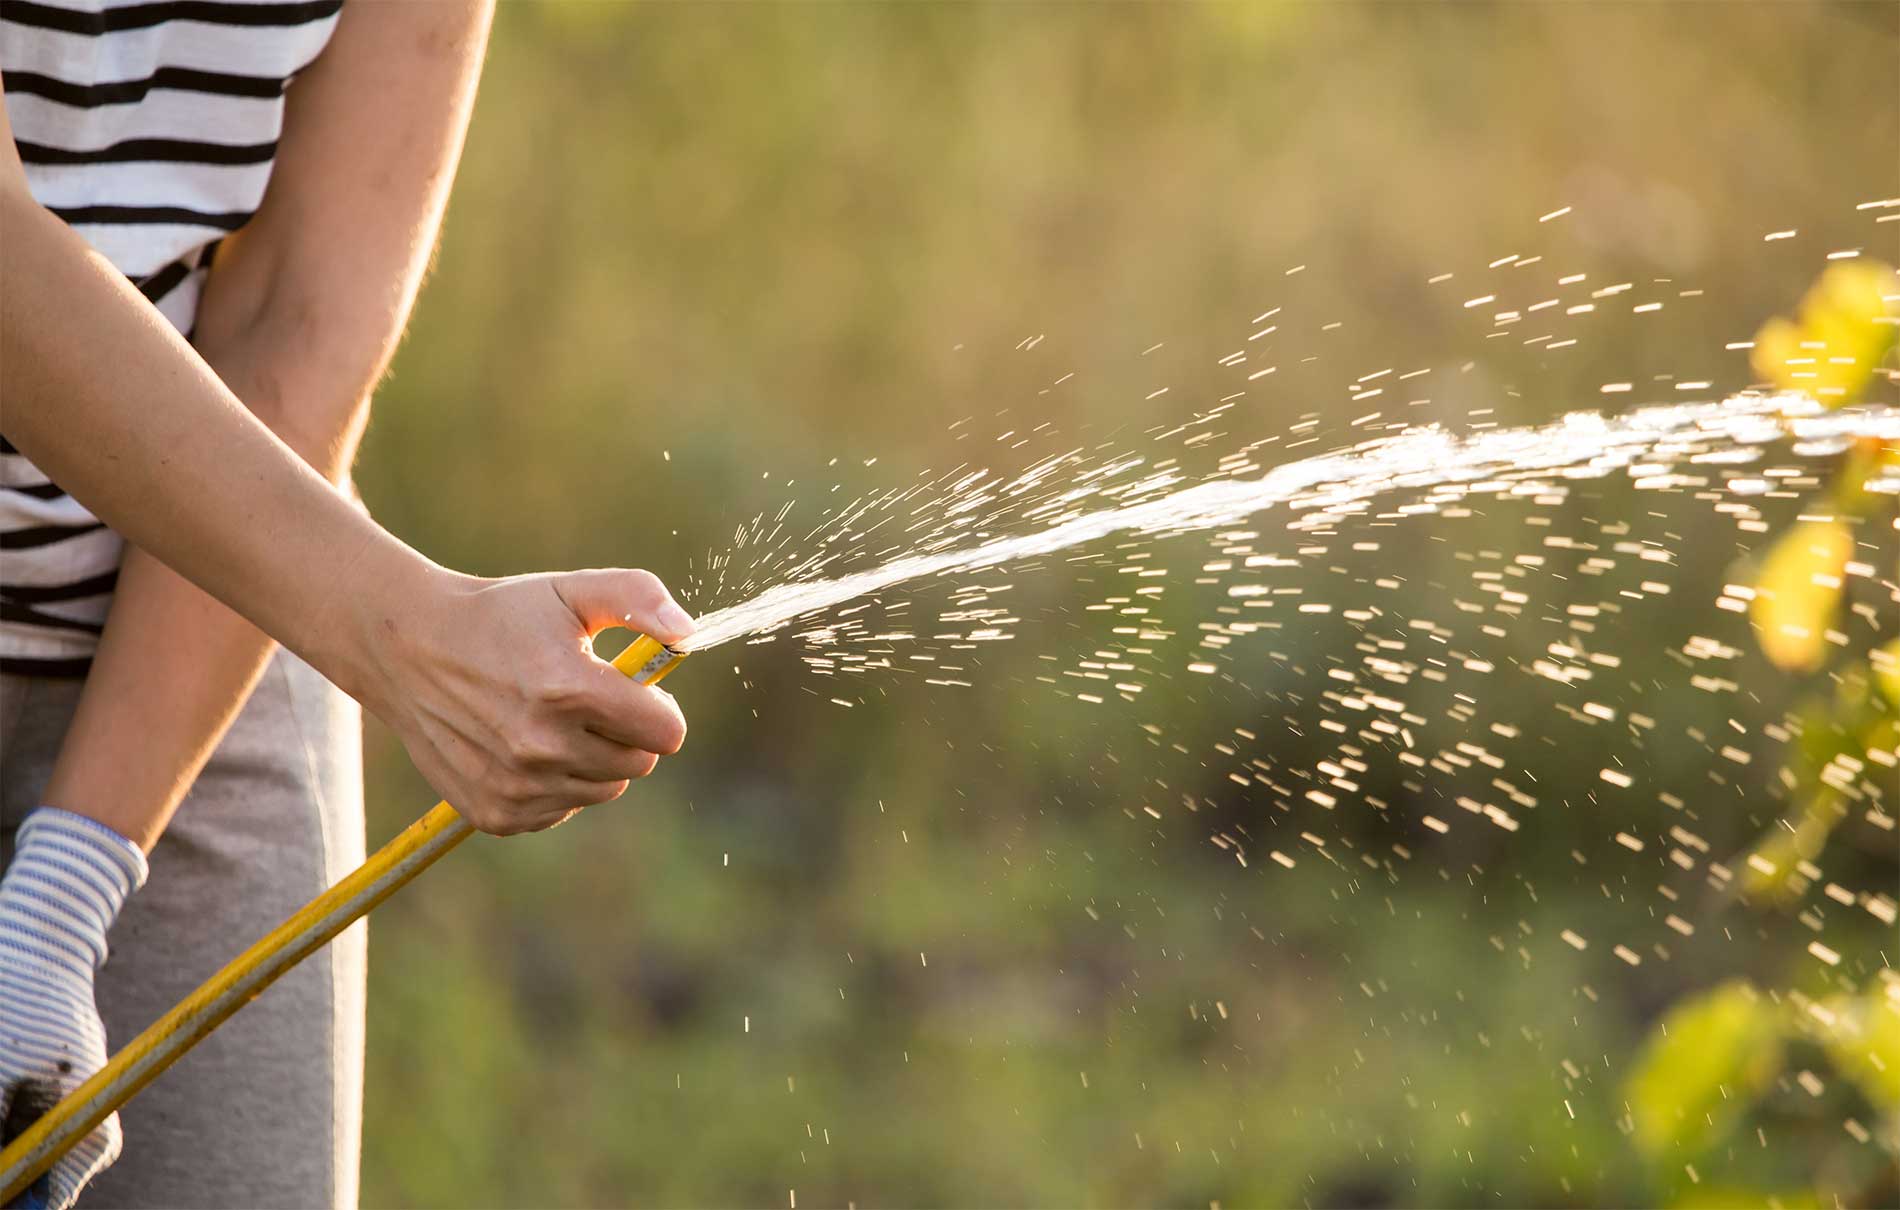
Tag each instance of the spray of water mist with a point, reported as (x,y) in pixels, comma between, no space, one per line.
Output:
(1505,461)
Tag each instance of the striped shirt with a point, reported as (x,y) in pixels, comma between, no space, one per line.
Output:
(150,128)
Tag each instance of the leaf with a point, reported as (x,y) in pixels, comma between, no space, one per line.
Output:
(1798,590)
(1863,1041)
(1885,664)
(1708,1059)
(1773,869)
(1844,331)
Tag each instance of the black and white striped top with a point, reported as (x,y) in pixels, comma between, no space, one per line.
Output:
(150,128)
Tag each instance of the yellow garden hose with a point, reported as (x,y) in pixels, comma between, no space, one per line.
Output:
(645,660)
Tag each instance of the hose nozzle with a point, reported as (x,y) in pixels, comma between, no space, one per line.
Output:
(646,660)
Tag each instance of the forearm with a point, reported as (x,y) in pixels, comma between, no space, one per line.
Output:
(174,666)
(91,421)
(172,670)
(491,684)
(301,312)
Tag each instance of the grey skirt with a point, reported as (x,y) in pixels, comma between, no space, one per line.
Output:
(267,1111)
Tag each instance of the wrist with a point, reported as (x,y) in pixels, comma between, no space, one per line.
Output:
(68,880)
(391,595)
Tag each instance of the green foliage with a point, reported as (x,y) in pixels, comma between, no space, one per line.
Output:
(869,954)
(1862,1037)
(1708,1058)
(1712,1057)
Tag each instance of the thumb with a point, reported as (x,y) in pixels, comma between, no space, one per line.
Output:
(604,598)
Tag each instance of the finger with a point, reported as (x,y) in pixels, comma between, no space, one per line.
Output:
(87,1159)
(608,597)
(25,1102)
(599,759)
(592,793)
(634,715)
(577,795)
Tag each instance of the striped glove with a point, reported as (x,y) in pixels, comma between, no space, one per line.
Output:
(69,877)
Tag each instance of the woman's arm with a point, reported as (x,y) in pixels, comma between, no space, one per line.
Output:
(489,683)
(300,316)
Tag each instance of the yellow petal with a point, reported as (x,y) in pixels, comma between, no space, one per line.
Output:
(1776,346)
(1798,591)
(1845,330)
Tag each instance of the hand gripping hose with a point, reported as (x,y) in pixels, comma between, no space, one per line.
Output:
(645,660)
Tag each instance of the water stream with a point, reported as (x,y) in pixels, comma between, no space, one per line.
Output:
(1647,443)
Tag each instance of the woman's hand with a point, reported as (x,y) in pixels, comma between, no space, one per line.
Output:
(69,877)
(494,688)
(490,683)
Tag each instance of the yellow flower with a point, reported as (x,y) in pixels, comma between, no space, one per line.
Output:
(1798,591)
(1846,327)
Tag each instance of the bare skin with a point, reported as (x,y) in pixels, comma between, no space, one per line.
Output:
(491,684)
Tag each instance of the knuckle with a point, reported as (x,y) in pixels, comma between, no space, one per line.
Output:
(485,818)
(531,750)
(643,583)
(512,794)
(563,691)
(502,818)
(526,794)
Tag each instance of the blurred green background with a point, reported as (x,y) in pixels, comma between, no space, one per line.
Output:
(929,950)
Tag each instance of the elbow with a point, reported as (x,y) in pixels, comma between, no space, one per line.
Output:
(303,391)
(291,336)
